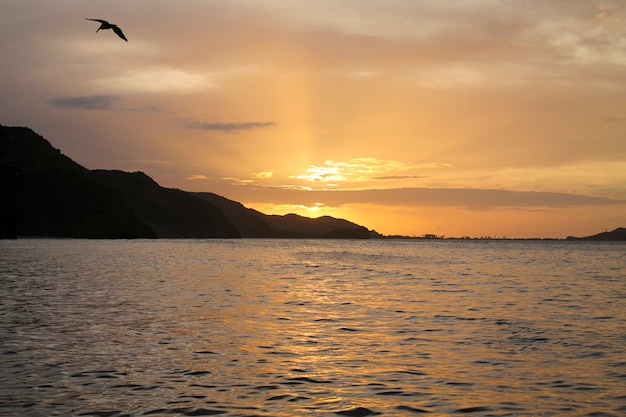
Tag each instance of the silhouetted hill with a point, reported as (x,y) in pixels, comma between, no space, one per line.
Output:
(252,223)
(45,193)
(323,227)
(249,222)
(169,212)
(618,234)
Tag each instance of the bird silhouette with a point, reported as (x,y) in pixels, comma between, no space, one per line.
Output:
(106,25)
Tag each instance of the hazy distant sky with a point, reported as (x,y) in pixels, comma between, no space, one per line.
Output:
(466,117)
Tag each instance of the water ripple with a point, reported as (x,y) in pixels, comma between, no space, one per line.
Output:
(292,328)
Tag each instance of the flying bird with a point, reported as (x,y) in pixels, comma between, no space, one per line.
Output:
(106,25)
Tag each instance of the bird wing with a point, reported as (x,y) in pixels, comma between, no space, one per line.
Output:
(99,20)
(119,33)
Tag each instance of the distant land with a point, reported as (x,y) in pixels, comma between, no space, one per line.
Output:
(44,193)
(618,234)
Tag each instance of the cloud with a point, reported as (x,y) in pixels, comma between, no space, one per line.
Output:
(229,127)
(467,198)
(362,169)
(145,109)
(98,102)
(95,102)
(399,177)
(265,174)
(197,177)
(158,80)
(238,181)
(606,10)
(614,119)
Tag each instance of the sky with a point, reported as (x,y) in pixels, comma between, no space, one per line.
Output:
(501,118)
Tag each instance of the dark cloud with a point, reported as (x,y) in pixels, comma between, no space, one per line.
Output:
(489,198)
(614,119)
(229,127)
(473,199)
(96,102)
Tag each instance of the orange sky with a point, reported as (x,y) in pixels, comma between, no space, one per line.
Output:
(474,117)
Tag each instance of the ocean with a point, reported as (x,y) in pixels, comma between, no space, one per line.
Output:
(277,327)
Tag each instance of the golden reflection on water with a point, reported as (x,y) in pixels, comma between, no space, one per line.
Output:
(287,328)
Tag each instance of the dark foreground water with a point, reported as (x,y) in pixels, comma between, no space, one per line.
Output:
(300,327)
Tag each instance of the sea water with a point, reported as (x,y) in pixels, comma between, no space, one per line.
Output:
(312,327)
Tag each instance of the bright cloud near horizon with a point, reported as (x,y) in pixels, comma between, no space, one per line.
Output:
(458,118)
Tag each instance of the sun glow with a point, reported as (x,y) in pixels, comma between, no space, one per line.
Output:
(314,210)
(264,174)
(360,170)
(316,207)
(321,174)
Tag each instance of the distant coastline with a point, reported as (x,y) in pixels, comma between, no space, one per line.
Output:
(616,235)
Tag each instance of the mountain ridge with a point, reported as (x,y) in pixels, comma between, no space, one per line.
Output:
(47,194)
